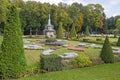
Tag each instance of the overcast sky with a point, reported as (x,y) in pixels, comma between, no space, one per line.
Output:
(112,7)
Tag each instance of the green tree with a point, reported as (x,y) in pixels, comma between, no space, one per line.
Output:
(94,17)
(72,32)
(60,34)
(61,15)
(12,58)
(73,13)
(107,54)
(80,18)
(87,33)
(118,24)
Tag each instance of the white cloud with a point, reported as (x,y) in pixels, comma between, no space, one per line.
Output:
(114,2)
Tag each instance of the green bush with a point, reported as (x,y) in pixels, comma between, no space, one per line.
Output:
(86,39)
(12,58)
(72,32)
(60,34)
(107,54)
(69,64)
(118,42)
(83,61)
(87,33)
(50,63)
(96,60)
(51,40)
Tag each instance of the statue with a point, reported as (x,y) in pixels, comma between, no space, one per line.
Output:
(49,31)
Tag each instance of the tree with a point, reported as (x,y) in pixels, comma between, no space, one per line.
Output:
(80,18)
(73,14)
(118,24)
(72,32)
(111,23)
(93,14)
(12,58)
(107,54)
(118,42)
(60,34)
(61,15)
(87,33)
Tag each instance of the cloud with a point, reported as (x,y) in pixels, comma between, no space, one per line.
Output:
(114,2)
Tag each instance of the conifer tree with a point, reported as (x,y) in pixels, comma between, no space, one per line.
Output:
(72,32)
(118,42)
(12,58)
(87,33)
(107,53)
(60,32)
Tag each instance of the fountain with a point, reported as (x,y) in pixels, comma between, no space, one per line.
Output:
(49,31)
(50,34)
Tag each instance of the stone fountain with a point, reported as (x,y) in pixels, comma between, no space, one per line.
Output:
(49,31)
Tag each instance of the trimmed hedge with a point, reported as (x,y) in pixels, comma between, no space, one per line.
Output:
(107,54)
(72,32)
(60,32)
(87,33)
(12,58)
(49,63)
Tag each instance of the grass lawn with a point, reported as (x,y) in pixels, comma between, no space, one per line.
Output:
(99,72)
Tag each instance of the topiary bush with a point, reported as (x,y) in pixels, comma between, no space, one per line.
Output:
(118,42)
(72,32)
(50,63)
(83,60)
(107,54)
(60,32)
(12,58)
(87,33)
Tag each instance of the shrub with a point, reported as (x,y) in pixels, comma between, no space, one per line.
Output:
(87,33)
(85,39)
(97,61)
(118,42)
(51,40)
(107,54)
(72,32)
(12,58)
(69,64)
(83,60)
(60,32)
(51,63)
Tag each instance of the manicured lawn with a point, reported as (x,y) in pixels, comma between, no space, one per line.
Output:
(99,72)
